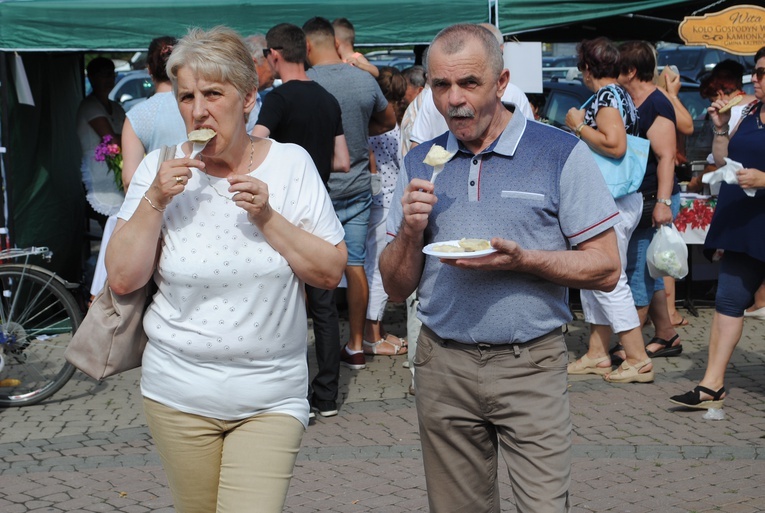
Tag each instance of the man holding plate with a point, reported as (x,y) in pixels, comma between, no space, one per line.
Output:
(491,359)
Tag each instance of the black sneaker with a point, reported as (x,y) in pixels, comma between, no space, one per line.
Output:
(325,408)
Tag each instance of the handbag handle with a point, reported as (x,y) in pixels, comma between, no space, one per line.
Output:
(165,153)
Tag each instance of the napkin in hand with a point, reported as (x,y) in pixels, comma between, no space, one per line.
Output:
(727,174)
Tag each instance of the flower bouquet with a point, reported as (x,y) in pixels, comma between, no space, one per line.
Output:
(109,152)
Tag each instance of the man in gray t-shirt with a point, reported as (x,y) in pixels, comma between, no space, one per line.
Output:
(364,107)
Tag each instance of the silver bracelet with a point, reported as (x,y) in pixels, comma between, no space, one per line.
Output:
(721,133)
(152,204)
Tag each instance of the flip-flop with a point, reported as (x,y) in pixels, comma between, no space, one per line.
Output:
(667,350)
(683,322)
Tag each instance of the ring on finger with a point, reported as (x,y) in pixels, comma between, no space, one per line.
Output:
(252,200)
(179,180)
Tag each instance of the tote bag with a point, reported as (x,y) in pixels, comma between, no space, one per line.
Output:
(111,338)
(624,175)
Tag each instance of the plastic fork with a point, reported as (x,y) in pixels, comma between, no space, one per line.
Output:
(436,171)
(197,147)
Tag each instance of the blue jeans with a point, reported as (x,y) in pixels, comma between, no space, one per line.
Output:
(353,213)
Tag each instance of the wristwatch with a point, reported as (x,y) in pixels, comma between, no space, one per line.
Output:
(667,202)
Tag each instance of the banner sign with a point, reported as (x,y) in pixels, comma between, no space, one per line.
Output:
(739,30)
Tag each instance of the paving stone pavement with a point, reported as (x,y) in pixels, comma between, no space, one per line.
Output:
(88,449)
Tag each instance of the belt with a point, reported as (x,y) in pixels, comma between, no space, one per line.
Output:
(486,346)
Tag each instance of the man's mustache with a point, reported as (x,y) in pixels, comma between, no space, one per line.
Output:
(461,112)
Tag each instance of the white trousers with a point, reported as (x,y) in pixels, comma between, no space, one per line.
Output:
(617,308)
(99,275)
(376,236)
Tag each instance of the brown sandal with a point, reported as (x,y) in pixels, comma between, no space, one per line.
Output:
(587,365)
(627,373)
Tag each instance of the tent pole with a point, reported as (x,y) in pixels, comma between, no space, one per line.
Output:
(6,218)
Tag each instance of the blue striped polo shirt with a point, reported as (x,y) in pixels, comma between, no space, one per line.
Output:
(536,185)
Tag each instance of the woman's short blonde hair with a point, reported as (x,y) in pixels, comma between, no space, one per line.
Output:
(218,54)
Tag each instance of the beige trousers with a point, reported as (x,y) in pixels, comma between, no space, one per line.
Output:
(475,401)
(216,466)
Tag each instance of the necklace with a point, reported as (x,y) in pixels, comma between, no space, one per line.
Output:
(249,169)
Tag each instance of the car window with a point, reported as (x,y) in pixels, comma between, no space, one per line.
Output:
(683,59)
(558,104)
(712,57)
(693,101)
(139,87)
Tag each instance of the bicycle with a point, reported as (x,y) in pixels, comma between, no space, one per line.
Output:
(38,316)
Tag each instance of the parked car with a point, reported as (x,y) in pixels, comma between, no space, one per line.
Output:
(694,61)
(400,59)
(561,95)
(132,88)
(566,61)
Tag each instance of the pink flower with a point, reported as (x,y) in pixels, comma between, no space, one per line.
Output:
(110,152)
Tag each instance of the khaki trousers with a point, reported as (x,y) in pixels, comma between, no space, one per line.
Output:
(474,401)
(216,466)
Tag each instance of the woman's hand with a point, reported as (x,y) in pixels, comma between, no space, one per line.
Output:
(662,214)
(673,84)
(251,194)
(750,178)
(720,119)
(171,180)
(574,118)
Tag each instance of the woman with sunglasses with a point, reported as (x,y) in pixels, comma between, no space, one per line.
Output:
(737,228)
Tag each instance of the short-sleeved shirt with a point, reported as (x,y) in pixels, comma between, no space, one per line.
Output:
(654,106)
(387,150)
(359,97)
(738,221)
(227,331)
(535,185)
(157,122)
(303,112)
(615,96)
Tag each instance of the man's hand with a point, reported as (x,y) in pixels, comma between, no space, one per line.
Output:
(417,202)
(508,257)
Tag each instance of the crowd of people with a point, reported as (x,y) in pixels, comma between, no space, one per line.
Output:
(322,180)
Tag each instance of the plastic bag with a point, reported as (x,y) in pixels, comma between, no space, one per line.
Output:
(667,254)
(727,174)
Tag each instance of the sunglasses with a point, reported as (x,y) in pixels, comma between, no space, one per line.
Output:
(267,51)
(760,72)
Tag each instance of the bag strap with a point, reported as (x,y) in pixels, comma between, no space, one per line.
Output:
(165,153)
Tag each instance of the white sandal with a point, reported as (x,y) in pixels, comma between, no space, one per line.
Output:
(373,347)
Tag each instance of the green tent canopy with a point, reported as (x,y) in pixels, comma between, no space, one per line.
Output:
(67,25)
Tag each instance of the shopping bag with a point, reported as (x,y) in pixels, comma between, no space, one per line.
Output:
(667,254)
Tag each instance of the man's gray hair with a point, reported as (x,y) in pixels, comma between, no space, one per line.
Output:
(452,40)
(256,43)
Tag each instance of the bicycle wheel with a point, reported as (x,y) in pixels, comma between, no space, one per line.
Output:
(38,316)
